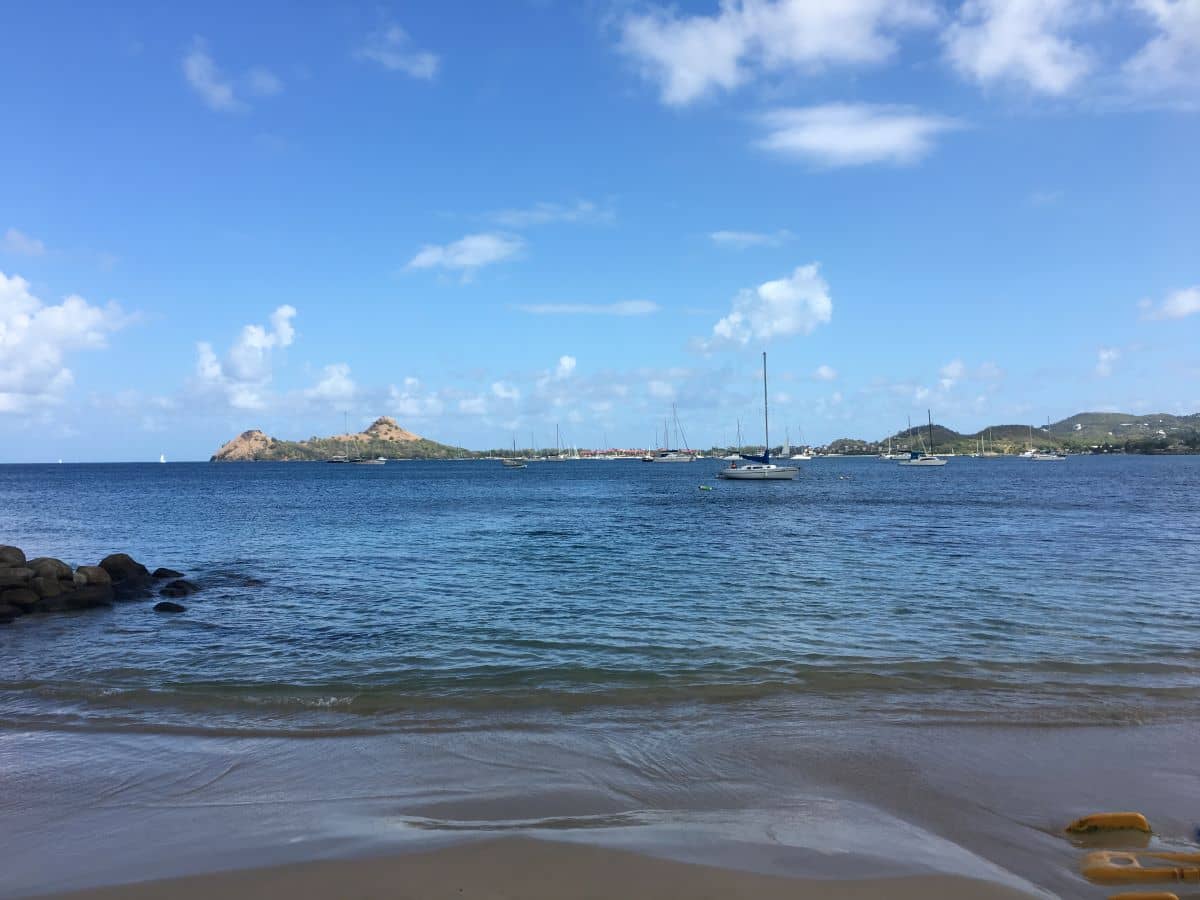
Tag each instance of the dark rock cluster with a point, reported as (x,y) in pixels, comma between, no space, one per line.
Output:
(48,585)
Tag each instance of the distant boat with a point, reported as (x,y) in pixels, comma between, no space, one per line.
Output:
(893,456)
(162,458)
(924,458)
(668,455)
(760,468)
(514,462)
(338,458)
(377,461)
(1050,455)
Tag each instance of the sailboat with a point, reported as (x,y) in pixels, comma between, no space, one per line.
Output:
(736,455)
(1050,455)
(891,455)
(922,458)
(162,457)
(761,468)
(673,456)
(514,462)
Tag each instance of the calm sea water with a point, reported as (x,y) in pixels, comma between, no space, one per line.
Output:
(423,595)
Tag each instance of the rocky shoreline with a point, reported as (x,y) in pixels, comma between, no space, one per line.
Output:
(48,585)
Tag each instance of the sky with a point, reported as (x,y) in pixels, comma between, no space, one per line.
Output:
(490,219)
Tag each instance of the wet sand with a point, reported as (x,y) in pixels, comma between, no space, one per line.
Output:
(533,870)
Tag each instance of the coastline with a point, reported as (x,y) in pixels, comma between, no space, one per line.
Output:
(534,870)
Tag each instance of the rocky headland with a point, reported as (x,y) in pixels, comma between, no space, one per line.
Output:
(384,438)
(48,585)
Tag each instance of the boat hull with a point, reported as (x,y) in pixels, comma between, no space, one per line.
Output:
(760,473)
(926,461)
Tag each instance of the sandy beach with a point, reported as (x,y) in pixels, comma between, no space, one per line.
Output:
(509,868)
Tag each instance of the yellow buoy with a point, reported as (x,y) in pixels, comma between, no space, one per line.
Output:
(1119,821)
(1122,867)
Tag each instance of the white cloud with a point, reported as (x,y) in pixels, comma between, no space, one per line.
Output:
(621,308)
(473,406)
(566,367)
(582,212)
(392,48)
(207,80)
(245,374)
(36,338)
(952,373)
(1045,198)
(334,386)
(20,244)
(692,56)
(842,134)
(796,304)
(263,82)
(468,253)
(1105,358)
(413,401)
(1176,305)
(505,391)
(662,390)
(1022,42)
(1170,61)
(742,240)
(825,373)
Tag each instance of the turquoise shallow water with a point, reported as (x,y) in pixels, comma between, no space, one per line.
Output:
(420,595)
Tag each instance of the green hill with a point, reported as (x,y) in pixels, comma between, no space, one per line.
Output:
(383,438)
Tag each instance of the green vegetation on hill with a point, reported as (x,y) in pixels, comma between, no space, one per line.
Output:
(316,448)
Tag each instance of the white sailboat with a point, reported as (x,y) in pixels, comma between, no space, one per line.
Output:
(162,458)
(674,456)
(1050,455)
(760,468)
(924,458)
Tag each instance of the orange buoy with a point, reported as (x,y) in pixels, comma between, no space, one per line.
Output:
(1119,821)
(1123,867)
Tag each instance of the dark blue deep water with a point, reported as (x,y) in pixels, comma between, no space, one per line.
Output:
(416,594)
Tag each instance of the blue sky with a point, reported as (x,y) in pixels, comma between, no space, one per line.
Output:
(491,218)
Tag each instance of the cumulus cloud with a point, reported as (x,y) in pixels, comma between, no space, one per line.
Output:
(952,373)
(244,376)
(1021,42)
(690,57)
(503,390)
(742,240)
(1105,358)
(621,308)
(825,373)
(216,88)
(334,386)
(36,338)
(566,367)
(413,401)
(846,134)
(19,244)
(468,253)
(392,48)
(795,304)
(1176,305)
(1169,63)
(582,212)
(207,80)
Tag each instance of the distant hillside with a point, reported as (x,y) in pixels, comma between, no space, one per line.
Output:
(1158,432)
(383,438)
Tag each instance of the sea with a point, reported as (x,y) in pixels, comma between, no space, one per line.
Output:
(871,669)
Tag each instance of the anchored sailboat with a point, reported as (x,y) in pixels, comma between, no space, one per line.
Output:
(760,468)
(923,458)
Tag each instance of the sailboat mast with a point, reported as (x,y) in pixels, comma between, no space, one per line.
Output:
(929,413)
(766,424)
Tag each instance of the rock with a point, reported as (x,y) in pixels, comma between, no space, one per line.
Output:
(46,587)
(11,557)
(169,606)
(179,588)
(22,598)
(15,577)
(86,597)
(92,575)
(166,573)
(123,567)
(48,567)
(10,612)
